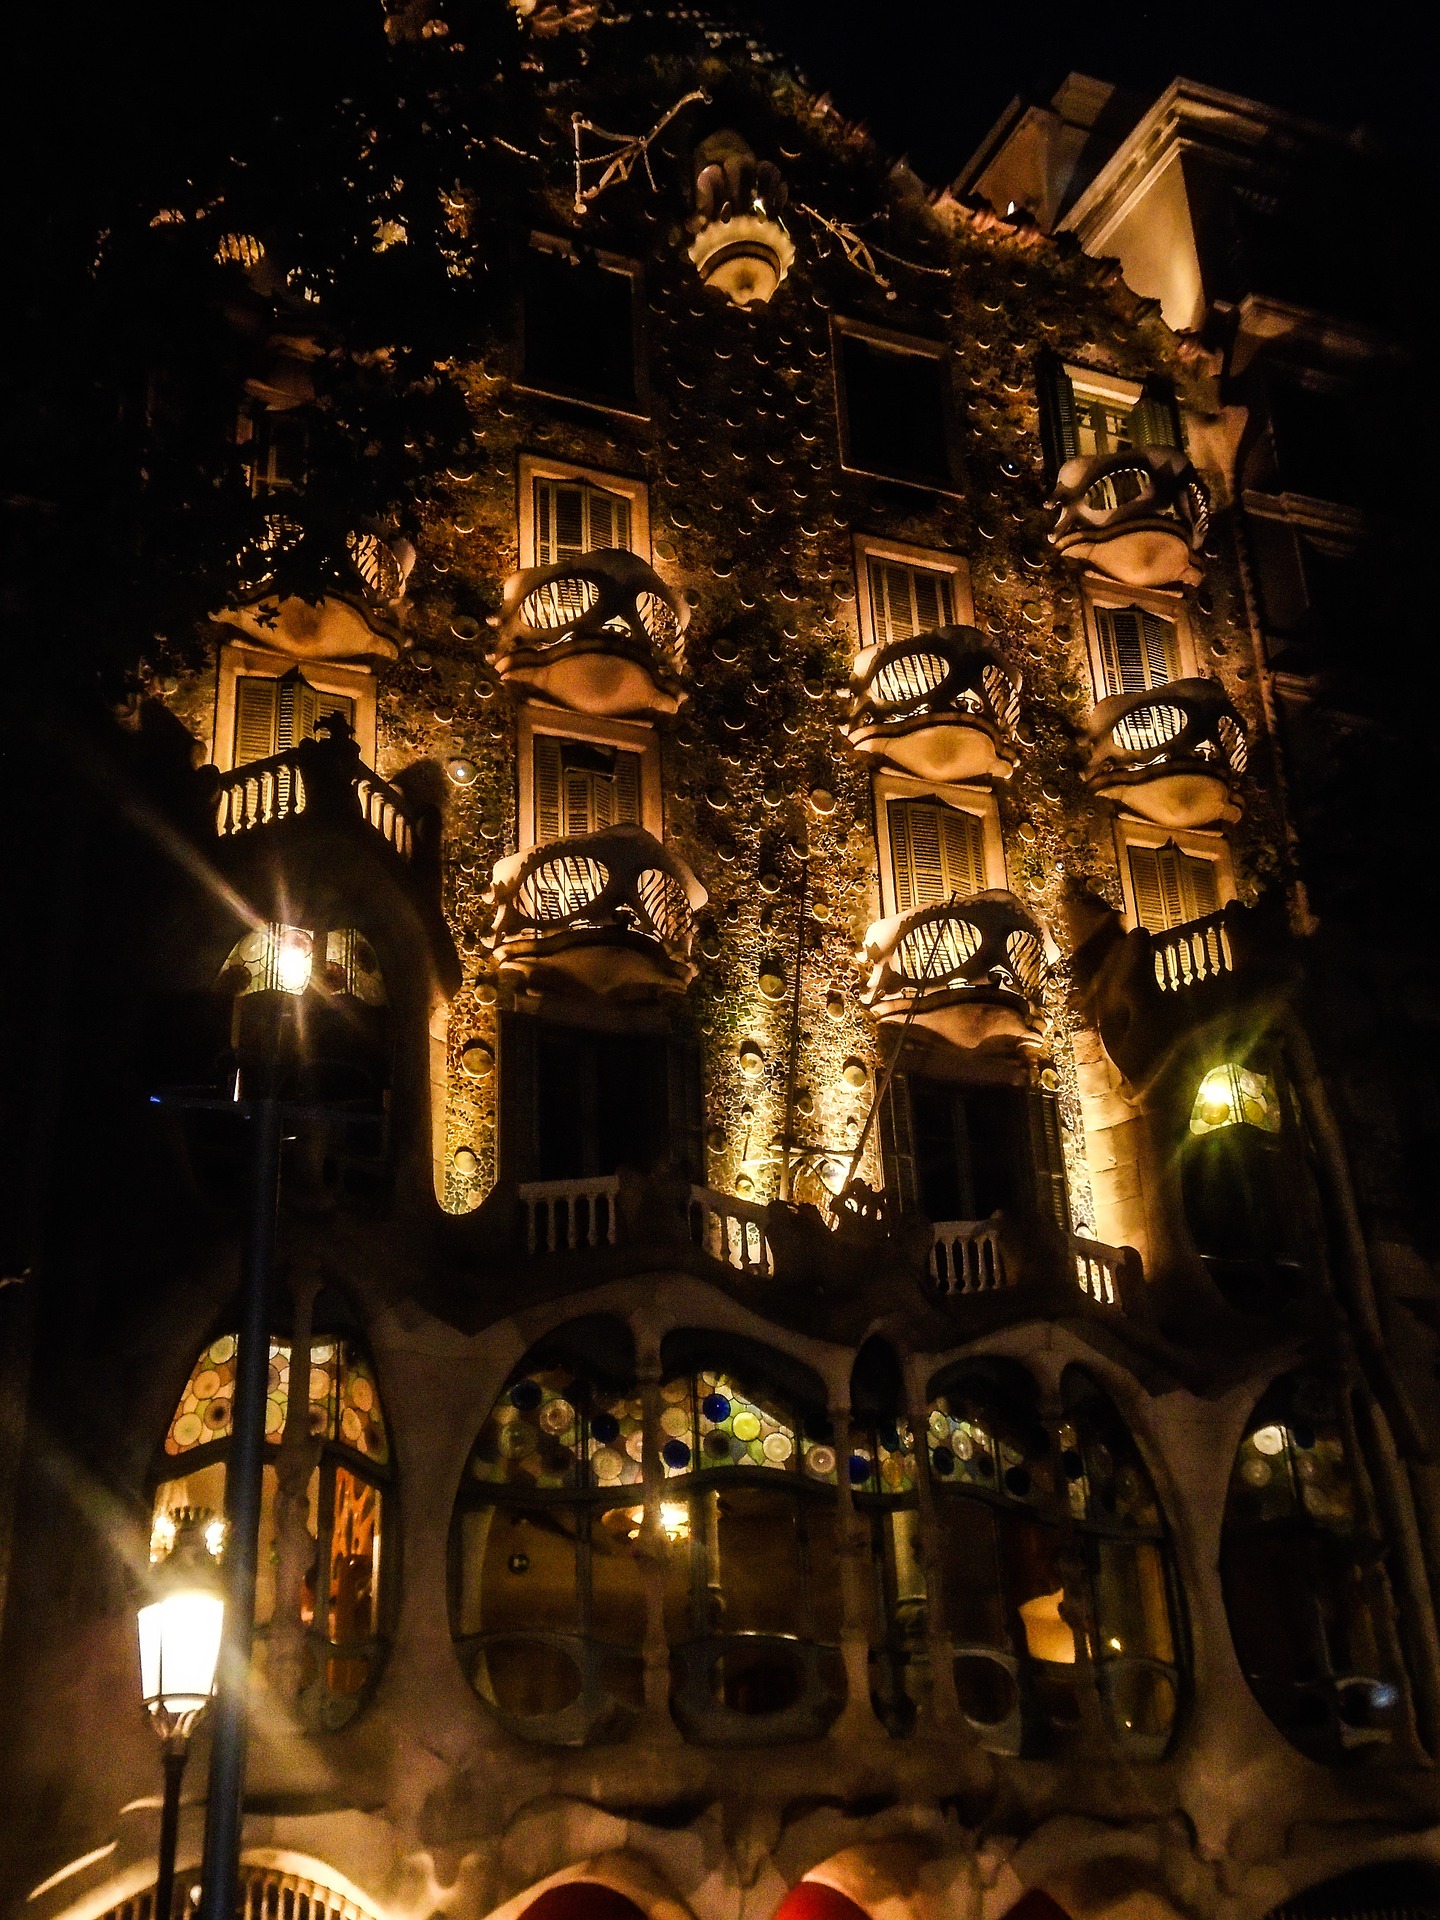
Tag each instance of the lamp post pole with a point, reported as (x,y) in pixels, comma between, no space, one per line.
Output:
(173,1761)
(224,1812)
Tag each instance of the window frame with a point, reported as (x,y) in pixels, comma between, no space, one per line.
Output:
(642,409)
(1096,595)
(537,466)
(1196,843)
(629,736)
(978,801)
(870,546)
(843,325)
(238,659)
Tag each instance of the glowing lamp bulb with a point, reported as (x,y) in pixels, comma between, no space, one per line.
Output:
(674,1520)
(293,954)
(1216,1104)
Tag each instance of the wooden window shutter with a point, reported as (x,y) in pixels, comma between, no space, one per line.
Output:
(341,703)
(547,789)
(608,515)
(578,799)
(1149,900)
(627,790)
(1155,419)
(915,854)
(297,710)
(255,714)
(897,1144)
(1052,1189)
(1202,895)
(685,1103)
(932,599)
(1162,655)
(1058,433)
(890,602)
(572,518)
(1122,649)
(519,1097)
(962,847)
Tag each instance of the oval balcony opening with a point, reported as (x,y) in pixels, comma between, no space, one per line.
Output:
(610,912)
(1172,754)
(1137,514)
(597,633)
(941,704)
(971,968)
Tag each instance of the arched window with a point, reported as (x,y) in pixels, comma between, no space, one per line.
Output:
(1240,1187)
(882,1475)
(546,1598)
(322,1574)
(1129,1604)
(753,1588)
(1306,1590)
(1056,1574)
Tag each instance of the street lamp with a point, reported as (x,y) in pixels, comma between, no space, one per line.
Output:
(179,1630)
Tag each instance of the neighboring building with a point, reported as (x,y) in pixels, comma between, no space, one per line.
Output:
(861,1345)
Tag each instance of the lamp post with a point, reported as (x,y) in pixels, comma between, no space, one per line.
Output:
(179,1630)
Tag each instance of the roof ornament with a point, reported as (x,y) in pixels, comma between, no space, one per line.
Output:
(740,245)
(619,159)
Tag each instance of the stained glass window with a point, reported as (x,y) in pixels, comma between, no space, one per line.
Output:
(1232,1096)
(711,1421)
(344,1399)
(549,1427)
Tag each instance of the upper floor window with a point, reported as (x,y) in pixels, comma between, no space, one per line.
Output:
(936,851)
(275,444)
(273,712)
(1138,649)
(582,786)
(578,326)
(1307,1590)
(905,599)
(1171,887)
(1085,412)
(895,407)
(572,517)
(960,1151)
(323,1579)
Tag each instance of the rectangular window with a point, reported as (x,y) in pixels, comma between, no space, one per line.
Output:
(580,787)
(1172,888)
(906,600)
(1100,414)
(936,851)
(896,410)
(959,1152)
(578,327)
(1101,425)
(275,453)
(273,713)
(1138,649)
(572,517)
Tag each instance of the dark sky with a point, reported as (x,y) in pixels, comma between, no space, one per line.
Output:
(931,76)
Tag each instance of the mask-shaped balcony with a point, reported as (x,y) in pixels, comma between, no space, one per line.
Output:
(599,634)
(1138,515)
(942,705)
(611,912)
(1172,754)
(354,616)
(970,967)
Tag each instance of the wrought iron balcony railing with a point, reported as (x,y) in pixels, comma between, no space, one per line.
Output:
(1139,515)
(942,705)
(612,912)
(1172,754)
(362,584)
(601,634)
(971,968)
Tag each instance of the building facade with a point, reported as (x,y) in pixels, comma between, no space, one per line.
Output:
(844,1334)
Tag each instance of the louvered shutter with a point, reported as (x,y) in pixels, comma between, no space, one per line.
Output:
(544,523)
(578,792)
(1172,893)
(915,849)
(1145,878)
(1155,419)
(890,602)
(1122,649)
(609,519)
(255,704)
(298,708)
(627,790)
(897,1144)
(932,600)
(1161,653)
(332,703)
(962,846)
(1052,1189)
(1201,894)
(547,789)
(1057,414)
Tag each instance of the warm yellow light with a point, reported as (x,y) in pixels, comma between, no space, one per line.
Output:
(674,1520)
(1269,1440)
(179,1651)
(1047,1636)
(1215,1102)
(292,951)
(215,1538)
(162,1537)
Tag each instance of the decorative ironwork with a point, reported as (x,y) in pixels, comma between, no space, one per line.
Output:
(1172,753)
(601,633)
(972,969)
(941,704)
(1138,514)
(613,911)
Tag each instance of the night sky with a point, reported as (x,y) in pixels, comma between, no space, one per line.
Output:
(930,77)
